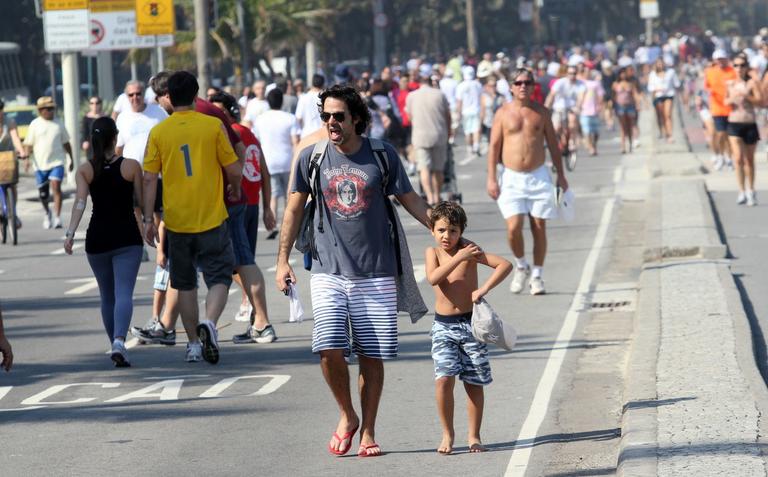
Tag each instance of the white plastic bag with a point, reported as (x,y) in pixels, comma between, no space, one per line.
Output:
(489,328)
(566,202)
(297,311)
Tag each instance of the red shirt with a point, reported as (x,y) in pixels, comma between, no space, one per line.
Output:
(401,96)
(203,106)
(252,169)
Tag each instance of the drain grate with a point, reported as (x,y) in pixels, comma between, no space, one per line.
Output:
(609,305)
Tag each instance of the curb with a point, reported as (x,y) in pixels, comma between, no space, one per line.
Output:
(637,449)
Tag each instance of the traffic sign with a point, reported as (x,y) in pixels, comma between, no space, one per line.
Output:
(649,9)
(154,17)
(66,30)
(116,30)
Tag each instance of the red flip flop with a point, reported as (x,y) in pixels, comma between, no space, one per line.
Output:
(364,448)
(346,437)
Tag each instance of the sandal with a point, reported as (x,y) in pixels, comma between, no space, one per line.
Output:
(364,449)
(346,437)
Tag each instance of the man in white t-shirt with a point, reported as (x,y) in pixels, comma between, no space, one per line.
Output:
(256,106)
(468,106)
(448,87)
(307,113)
(563,100)
(278,133)
(47,140)
(135,122)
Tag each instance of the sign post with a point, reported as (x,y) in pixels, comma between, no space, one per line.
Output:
(66,30)
(649,9)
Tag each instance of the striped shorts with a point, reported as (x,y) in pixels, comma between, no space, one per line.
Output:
(354,314)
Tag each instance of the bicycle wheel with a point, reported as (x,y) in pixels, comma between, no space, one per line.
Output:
(570,157)
(10,201)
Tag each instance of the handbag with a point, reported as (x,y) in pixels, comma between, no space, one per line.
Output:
(489,328)
(9,168)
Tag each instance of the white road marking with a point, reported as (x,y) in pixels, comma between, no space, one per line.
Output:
(466,160)
(291,261)
(90,284)
(521,454)
(178,377)
(60,251)
(618,173)
(463,177)
(420,272)
(275,381)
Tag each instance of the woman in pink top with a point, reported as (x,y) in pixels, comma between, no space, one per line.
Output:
(590,103)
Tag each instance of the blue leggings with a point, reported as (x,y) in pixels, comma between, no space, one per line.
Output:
(116,273)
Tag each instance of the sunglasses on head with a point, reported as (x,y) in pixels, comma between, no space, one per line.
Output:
(523,82)
(339,117)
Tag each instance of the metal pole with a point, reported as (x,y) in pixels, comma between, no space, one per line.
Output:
(52,72)
(244,50)
(648,31)
(104,75)
(70,83)
(379,40)
(201,44)
(311,54)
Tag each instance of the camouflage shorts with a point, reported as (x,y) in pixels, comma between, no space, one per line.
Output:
(456,353)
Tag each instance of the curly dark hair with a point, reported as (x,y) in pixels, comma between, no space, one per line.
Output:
(451,212)
(354,102)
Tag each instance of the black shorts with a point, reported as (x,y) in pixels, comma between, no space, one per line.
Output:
(159,196)
(746,131)
(721,123)
(661,99)
(211,251)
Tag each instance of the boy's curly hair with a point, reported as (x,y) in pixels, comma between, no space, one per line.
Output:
(451,212)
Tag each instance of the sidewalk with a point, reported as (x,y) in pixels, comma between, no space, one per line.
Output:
(693,399)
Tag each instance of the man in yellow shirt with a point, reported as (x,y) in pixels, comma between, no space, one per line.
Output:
(190,149)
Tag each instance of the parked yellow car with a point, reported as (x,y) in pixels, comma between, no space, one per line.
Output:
(22,116)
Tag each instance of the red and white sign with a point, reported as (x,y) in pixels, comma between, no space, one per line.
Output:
(116,30)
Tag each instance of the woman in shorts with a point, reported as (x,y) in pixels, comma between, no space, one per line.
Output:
(625,96)
(743,94)
(662,84)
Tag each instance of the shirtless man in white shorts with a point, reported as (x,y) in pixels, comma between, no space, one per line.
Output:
(517,141)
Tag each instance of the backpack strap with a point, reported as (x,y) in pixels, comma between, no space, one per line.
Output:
(382,158)
(319,151)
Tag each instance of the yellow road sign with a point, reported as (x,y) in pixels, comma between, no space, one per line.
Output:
(154,17)
(49,5)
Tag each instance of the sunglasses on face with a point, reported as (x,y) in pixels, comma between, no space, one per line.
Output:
(339,117)
(739,65)
(523,82)
(47,109)
(131,95)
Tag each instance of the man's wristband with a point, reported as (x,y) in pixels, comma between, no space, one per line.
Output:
(149,220)
(69,234)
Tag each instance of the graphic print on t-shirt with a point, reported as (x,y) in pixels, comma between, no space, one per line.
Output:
(346,193)
(251,168)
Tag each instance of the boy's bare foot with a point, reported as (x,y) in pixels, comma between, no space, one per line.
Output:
(446,445)
(476,446)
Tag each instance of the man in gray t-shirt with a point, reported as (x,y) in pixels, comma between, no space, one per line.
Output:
(354,301)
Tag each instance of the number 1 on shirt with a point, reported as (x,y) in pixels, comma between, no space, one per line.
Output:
(187,160)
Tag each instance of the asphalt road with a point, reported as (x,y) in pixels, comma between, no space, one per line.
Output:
(64,410)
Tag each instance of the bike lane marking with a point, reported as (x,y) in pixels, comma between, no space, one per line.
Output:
(521,454)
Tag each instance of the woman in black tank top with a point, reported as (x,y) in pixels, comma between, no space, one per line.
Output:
(113,241)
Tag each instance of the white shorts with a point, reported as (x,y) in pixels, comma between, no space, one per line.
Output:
(524,193)
(470,123)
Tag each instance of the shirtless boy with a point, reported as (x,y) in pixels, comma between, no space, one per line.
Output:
(517,141)
(452,271)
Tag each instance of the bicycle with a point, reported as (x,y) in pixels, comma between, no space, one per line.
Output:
(9,177)
(568,151)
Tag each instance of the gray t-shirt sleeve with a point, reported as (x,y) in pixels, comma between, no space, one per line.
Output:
(301,179)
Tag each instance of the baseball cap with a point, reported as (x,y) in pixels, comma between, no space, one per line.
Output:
(468,73)
(719,54)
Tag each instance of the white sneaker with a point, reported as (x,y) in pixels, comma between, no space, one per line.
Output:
(56,224)
(718,163)
(537,286)
(751,198)
(119,355)
(729,163)
(518,279)
(47,221)
(742,198)
(194,353)
(244,313)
